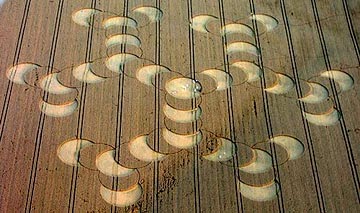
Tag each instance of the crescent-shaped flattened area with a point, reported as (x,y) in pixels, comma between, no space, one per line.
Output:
(262,193)
(154,14)
(317,94)
(224,152)
(58,110)
(345,81)
(223,79)
(140,149)
(182,141)
(237,28)
(68,151)
(18,72)
(85,74)
(293,146)
(120,21)
(115,62)
(261,162)
(183,88)
(242,46)
(182,116)
(283,84)
(199,23)
(326,119)
(252,70)
(107,165)
(121,198)
(82,17)
(123,39)
(269,22)
(51,84)
(146,74)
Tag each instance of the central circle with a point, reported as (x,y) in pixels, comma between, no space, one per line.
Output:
(183,88)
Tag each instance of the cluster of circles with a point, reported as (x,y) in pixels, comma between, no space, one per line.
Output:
(177,88)
(86,72)
(140,154)
(317,92)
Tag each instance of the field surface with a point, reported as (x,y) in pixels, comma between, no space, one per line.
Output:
(279,129)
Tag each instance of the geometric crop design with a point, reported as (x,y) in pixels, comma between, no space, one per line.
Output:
(178,88)
(182,126)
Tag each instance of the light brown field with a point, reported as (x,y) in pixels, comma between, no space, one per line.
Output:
(324,179)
